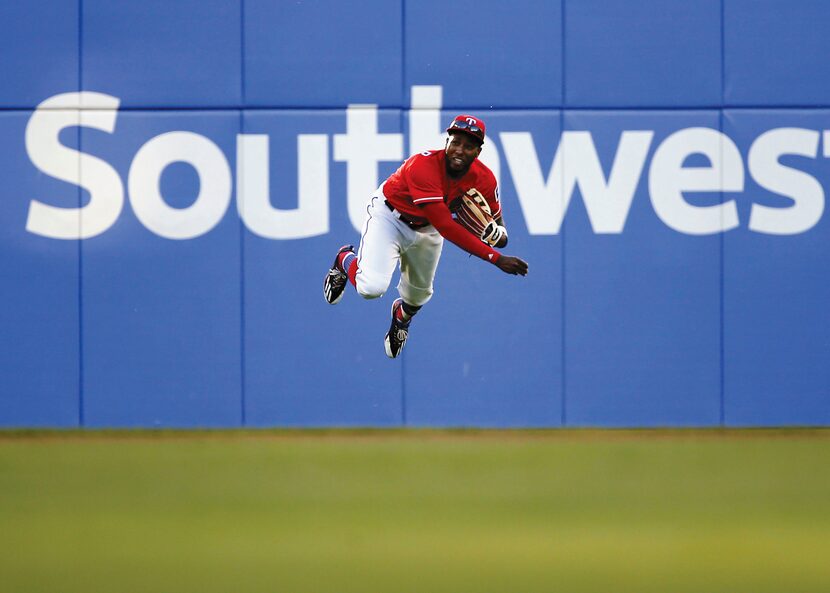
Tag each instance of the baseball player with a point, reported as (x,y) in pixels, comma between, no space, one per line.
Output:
(408,218)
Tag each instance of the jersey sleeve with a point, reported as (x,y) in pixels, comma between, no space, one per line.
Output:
(439,216)
(495,203)
(425,184)
(490,191)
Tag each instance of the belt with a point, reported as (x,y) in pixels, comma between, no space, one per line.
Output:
(406,219)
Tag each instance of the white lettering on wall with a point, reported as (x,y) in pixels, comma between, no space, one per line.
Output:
(545,201)
(106,192)
(803,189)
(311,216)
(543,197)
(426,131)
(540,198)
(214,185)
(668,179)
(361,147)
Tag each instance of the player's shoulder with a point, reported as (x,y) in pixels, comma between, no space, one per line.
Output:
(424,162)
(427,156)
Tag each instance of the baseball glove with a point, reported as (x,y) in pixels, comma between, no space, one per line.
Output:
(473,212)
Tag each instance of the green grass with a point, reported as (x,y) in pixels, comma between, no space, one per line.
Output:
(398,512)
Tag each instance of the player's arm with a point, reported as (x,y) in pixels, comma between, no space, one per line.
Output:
(495,234)
(439,216)
(502,241)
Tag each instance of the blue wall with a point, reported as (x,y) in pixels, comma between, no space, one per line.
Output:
(663,166)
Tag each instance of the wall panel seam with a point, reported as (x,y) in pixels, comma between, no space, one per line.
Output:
(563,356)
(81,417)
(242,316)
(722,244)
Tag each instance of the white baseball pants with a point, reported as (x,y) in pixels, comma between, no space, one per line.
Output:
(386,241)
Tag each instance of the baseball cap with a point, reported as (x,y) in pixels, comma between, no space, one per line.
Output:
(469,125)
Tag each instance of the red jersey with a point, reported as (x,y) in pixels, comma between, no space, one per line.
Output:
(423,178)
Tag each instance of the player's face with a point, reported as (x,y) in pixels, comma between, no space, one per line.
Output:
(461,151)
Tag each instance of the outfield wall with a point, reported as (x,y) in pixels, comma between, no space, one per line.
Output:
(177,177)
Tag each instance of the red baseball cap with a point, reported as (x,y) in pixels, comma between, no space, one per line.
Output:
(468,125)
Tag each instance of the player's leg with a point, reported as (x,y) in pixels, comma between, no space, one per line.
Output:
(419,261)
(370,269)
(379,251)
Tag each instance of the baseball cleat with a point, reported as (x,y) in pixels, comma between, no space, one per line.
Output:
(398,332)
(336,279)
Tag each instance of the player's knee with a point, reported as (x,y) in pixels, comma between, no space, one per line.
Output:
(369,287)
(369,292)
(415,296)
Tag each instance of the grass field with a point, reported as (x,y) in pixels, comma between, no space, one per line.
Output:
(426,511)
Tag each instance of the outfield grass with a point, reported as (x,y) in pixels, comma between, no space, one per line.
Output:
(349,512)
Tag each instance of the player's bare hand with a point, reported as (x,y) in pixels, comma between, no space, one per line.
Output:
(512,265)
